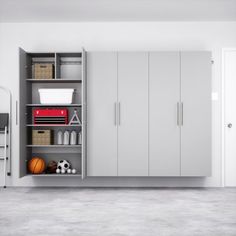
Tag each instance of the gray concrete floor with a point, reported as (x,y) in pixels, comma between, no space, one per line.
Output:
(118,212)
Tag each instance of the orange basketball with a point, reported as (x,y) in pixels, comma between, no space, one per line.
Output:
(36,165)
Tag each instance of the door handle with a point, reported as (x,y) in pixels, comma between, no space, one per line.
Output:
(119,113)
(115,106)
(16,112)
(182,113)
(177,113)
(230,125)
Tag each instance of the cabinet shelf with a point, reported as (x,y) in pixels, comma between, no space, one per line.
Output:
(53,105)
(52,125)
(54,81)
(53,146)
(54,175)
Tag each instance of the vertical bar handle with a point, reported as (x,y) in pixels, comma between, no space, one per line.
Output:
(177,113)
(115,106)
(182,113)
(16,112)
(119,112)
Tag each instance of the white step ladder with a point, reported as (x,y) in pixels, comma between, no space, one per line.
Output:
(5,131)
(4,157)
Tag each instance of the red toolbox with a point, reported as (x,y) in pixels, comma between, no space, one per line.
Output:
(50,116)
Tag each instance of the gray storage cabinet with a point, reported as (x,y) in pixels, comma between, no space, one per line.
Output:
(180,114)
(117,114)
(69,72)
(149,114)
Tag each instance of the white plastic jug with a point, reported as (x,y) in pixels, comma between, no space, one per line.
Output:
(66,138)
(73,138)
(59,137)
(80,138)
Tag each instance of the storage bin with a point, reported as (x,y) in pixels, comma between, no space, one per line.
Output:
(56,96)
(42,137)
(43,71)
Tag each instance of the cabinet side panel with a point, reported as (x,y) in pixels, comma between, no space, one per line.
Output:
(84,116)
(196,101)
(101,101)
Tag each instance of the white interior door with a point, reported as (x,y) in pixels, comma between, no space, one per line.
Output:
(101,114)
(230,117)
(133,114)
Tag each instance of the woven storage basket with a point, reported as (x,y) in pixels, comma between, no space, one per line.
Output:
(43,71)
(42,137)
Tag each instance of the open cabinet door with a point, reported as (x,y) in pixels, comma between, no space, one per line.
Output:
(84,115)
(22,111)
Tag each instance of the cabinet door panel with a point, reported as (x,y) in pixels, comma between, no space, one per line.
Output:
(164,98)
(101,127)
(133,126)
(22,108)
(84,118)
(196,99)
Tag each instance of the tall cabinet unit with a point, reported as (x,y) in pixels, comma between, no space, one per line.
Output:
(180,114)
(69,72)
(117,114)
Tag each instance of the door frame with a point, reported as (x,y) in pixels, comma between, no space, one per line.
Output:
(223,92)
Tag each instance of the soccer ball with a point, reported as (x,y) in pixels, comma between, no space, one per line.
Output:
(63,165)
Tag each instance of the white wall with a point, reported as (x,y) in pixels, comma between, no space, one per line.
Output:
(116,36)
